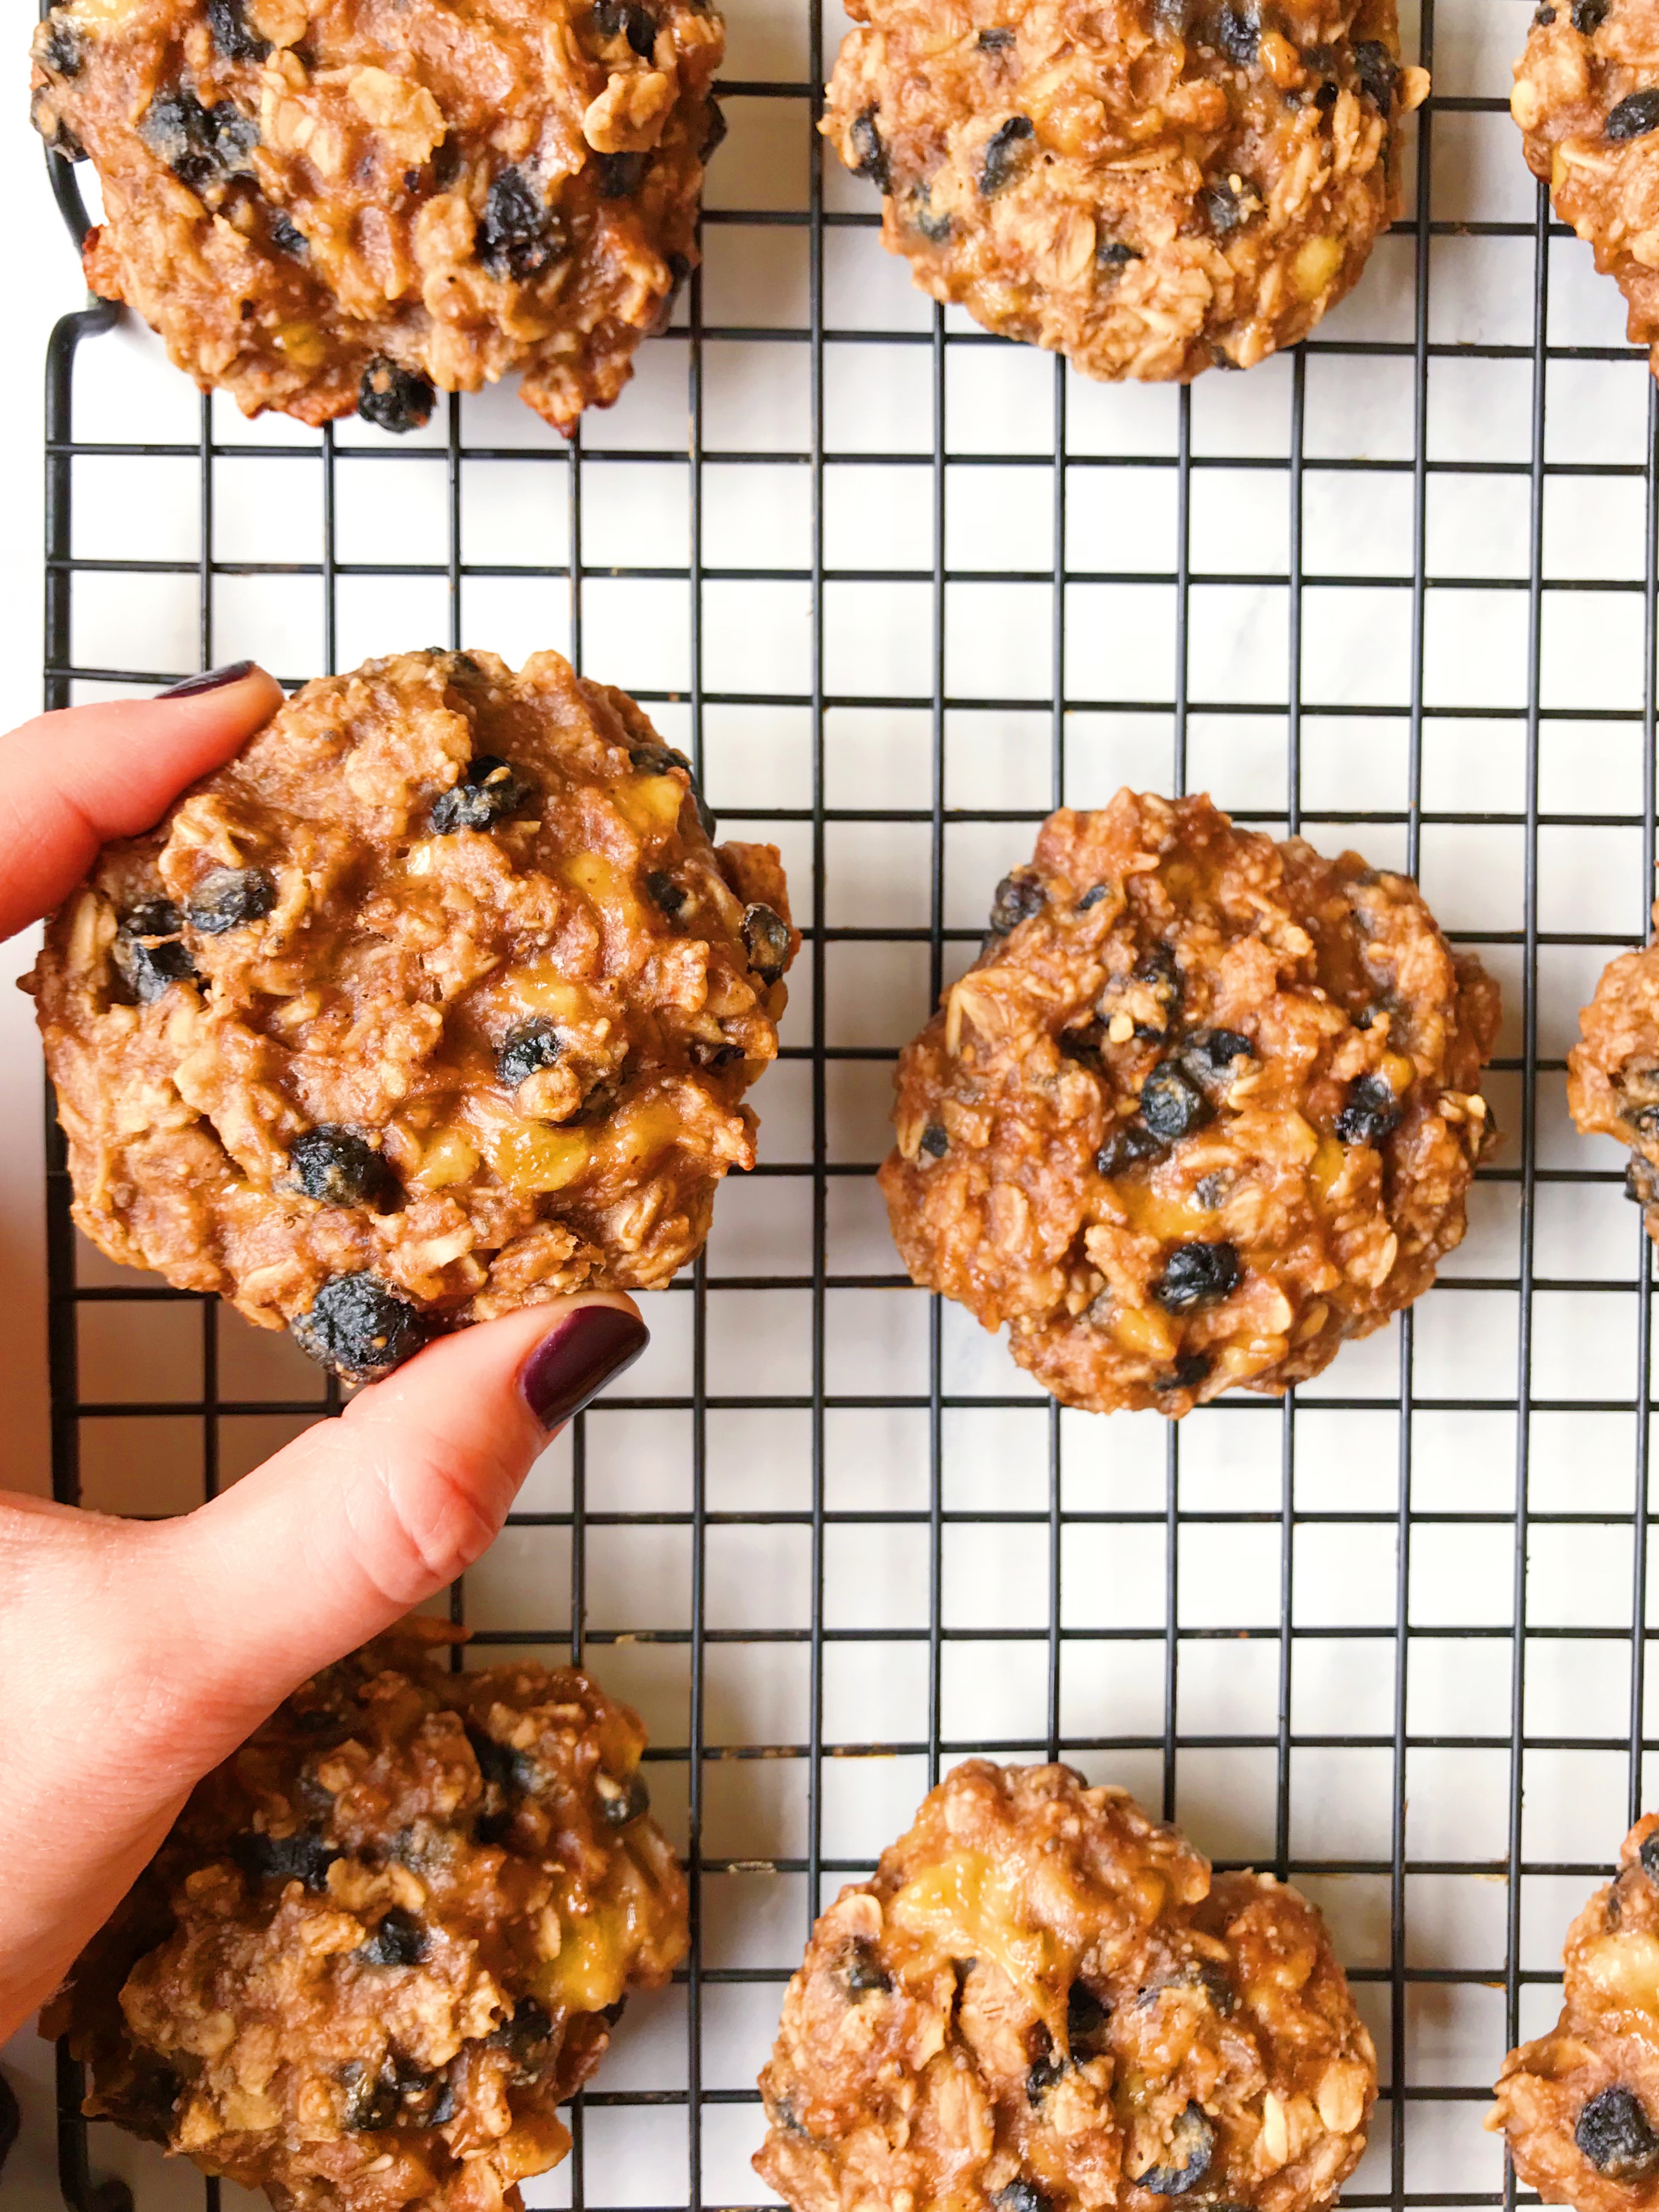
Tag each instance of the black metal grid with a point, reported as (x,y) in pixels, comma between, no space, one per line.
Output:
(1400,1986)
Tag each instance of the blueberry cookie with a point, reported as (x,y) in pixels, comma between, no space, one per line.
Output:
(387,1939)
(330,204)
(436,1001)
(1580,2106)
(1586,97)
(1613,1073)
(1146,186)
(1204,1107)
(1044,2001)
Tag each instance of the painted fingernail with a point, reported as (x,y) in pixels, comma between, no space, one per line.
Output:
(568,1369)
(211,680)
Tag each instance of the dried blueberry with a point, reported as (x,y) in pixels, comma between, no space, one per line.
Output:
(1544,16)
(1209,1190)
(622,1799)
(197,143)
(1085,2015)
(338,1166)
(715,130)
(1128,1143)
(1635,116)
(62,49)
(371,2100)
(286,235)
(869,154)
(1021,2195)
(1158,968)
(359,1328)
(995,42)
(528,2030)
(935,1140)
(399,1940)
(1614,2134)
(1378,73)
(1093,897)
(489,792)
(765,942)
(520,234)
(1198,1276)
(1192,2145)
(935,228)
(1171,1104)
(146,953)
(1238,34)
(393,399)
(1041,2076)
(668,895)
(1004,155)
(1588,15)
(1227,208)
(714,1056)
(1325,96)
(1113,254)
(625,19)
(1369,1111)
(619,176)
(1019,896)
(302,1856)
(1648,1854)
(862,1970)
(1641,1182)
(230,898)
(499,1764)
(1190,1369)
(227,27)
(526,1046)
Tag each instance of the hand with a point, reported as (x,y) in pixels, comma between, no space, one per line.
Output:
(136,1655)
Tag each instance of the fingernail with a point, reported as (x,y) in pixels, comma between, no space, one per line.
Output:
(211,680)
(568,1369)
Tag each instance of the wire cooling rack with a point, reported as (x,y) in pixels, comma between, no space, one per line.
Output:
(900,588)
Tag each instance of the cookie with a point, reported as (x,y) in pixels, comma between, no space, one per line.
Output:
(1586,97)
(1205,1107)
(1613,1073)
(330,204)
(1044,2001)
(436,1001)
(387,1939)
(1580,2106)
(1146,186)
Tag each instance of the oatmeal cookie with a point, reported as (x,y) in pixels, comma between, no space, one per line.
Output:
(1581,2105)
(1147,186)
(1044,2001)
(1612,1073)
(1586,97)
(435,1002)
(1204,1107)
(387,1939)
(330,204)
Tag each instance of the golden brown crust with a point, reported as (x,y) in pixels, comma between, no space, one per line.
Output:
(474,1066)
(377,1950)
(1205,1107)
(1586,98)
(296,191)
(1147,186)
(1044,2001)
(1580,2106)
(1612,1073)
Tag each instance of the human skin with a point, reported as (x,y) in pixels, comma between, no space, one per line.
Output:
(136,1655)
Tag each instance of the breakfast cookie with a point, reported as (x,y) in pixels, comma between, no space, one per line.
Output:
(436,1001)
(387,1939)
(1586,97)
(1146,186)
(330,204)
(1612,1073)
(1043,2001)
(1580,2107)
(1204,1107)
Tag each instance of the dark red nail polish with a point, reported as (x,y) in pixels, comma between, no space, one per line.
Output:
(568,1369)
(211,680)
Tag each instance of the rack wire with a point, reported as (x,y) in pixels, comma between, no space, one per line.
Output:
(1386,1636)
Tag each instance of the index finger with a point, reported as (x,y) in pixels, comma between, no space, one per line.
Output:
(70,782)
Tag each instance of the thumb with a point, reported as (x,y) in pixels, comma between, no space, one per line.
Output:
(362,1517)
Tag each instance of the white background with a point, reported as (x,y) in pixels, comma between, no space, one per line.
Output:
(1343,1446)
